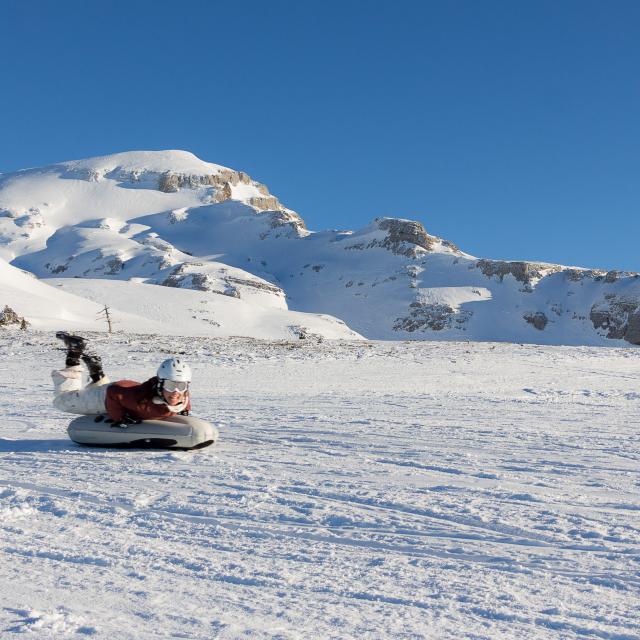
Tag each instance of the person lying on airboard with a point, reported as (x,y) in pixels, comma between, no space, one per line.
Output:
(126,401)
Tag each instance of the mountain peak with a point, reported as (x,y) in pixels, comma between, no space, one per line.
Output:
(174,161)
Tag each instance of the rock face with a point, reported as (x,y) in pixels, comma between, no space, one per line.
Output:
(170,182)
(433,316)
(618,316)
(632,332)
(578,275)
(8,316)
(223,181)
(223,281)
(525,272)
(407,237)
(286,219)
(538,319)
(404,236)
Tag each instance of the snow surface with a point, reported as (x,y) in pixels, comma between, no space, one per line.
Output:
(358,490)
(169,311)
(78,305)
(176,160)
(48,308)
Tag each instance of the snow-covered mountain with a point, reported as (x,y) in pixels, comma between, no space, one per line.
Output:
(77,304)
(168,218)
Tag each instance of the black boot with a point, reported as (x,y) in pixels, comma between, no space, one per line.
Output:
(75,347)
(94,364)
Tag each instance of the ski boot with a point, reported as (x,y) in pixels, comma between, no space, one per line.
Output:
(94,364)
(75,347)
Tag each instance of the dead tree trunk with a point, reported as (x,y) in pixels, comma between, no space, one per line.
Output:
(105,313)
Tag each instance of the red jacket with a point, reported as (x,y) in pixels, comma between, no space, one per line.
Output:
(136,400)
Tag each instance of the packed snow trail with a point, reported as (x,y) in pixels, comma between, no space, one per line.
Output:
(358,490)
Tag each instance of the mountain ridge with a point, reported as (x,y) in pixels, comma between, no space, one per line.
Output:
(169,218)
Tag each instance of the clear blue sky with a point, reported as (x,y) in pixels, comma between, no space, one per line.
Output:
(510,127)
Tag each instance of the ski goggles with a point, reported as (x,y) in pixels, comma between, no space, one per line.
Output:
(171,386)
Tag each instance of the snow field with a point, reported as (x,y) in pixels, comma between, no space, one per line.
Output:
(358,490)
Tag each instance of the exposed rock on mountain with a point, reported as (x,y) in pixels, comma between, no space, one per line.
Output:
(224,181)
(618,317)
(632,332)
(405,236)
(285,218)
(402,237)
(525,272)
(538,319)
(222,280)
(423,316)
(8,316)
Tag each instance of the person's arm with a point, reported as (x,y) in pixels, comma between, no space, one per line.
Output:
(113,404)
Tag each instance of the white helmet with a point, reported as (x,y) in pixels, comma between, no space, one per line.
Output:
(175,369)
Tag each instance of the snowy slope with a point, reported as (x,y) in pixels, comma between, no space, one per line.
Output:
(46,307)
(358,490)
(175,311)
(168,218)
(142,308)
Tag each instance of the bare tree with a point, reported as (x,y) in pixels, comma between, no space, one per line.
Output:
(106,315)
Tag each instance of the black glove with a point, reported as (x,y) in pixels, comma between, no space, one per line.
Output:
(126,420)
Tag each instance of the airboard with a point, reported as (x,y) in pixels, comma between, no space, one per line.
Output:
(178,432)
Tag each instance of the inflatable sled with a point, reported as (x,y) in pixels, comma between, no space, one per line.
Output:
(177,432)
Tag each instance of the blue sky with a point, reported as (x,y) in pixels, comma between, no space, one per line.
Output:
(511,127)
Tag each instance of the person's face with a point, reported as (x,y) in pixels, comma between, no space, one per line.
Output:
(173,397)
(173,393)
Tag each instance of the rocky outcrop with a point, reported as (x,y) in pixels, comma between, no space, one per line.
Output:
(224,180)
(55,269)
(199,282)
(577,275)
(538,319)
(113,266)
(255,284)
(285,218)
(431,316)
(9,316)
(265,203)
(525,272)
(110,265)
(618,316)
(285,223)
(188,276)
(613,276)
(231,177)
(632,332)
(403,236)
(223,194)
(169,182)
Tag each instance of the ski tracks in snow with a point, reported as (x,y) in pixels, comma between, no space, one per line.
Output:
(380,490)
